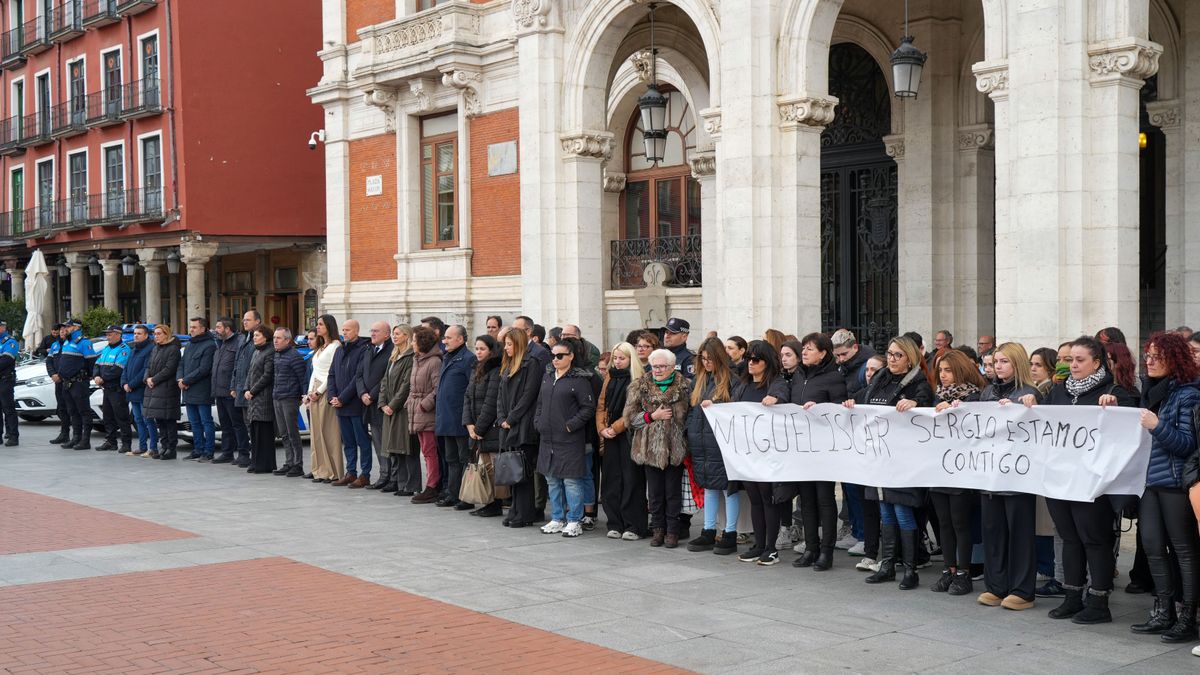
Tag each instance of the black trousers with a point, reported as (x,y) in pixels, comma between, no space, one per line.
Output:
(954,518)
(263,456)
(115,409)
(1166,518)
(818,508)
(60,400)
(665,489)
(1010,557)
(764,514)
(523,509)
(871,524)
(1087,533)
(78,410)
(234,438)
(458,455)
(8,407)
(168,434)
(623,488)
(374,419)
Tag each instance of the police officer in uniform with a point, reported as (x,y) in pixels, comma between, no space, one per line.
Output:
(60,396)
(75,362)
(8,378)
(109,367)
(675,339)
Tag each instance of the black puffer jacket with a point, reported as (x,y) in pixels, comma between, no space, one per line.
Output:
(517,402)
(852,371)
(565,409)
(480,404)
(888,389)
(707,463)
(162,401)
(822,383)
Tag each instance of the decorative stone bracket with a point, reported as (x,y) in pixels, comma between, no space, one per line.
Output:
(613,181)
(534,16)
(421,89)
(467,82)
(807,111)
(894,147)
(589,145)
(979,137)
(385,99)
(712,122)
(1128,61)
(643,64)
(991,78)
(1165,114)
(704,164)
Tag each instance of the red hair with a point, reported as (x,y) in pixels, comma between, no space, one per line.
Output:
(1123,370)
(1176,355)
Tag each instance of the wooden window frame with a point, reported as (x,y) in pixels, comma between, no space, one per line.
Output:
(433,142)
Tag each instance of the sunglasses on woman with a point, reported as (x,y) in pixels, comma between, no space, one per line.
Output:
(755,359)
(561,355)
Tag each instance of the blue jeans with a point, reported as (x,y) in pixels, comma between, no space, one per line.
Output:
(890,514)
(147,430)
(200,417)
(733,508)
(853,496)
(566,495)
(356,443)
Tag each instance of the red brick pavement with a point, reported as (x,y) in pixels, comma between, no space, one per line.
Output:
(31,522)
(270,616)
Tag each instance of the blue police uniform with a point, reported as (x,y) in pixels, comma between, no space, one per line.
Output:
(110,365)
(60,394)
(74,364)
(8,380)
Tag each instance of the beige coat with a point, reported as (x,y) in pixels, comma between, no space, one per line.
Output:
(661,442)
(422,394)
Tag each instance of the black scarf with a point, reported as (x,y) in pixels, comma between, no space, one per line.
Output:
(614,393)
(1156,393)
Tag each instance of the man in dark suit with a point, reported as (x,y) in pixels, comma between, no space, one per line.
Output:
(370,374)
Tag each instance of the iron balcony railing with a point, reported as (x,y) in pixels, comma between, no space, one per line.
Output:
(12,130)
(12,223)
(36,35)
(100,13)
(104,107)
(11,42)
(131,7)
(35,129)
(142,98)
(67,21)
(117,207)
(69,118)
(680,255)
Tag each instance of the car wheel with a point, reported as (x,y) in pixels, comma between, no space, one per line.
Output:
(34,418)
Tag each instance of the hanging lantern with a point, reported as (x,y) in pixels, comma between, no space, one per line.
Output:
(907,64)
(62,268)
(128,265)
(653,106)
(94,267)
(173,262)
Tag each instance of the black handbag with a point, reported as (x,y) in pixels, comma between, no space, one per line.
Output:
(510,468)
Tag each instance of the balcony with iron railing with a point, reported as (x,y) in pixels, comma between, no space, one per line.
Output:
(405,46)
(68,118)
(35,129)
(11,41)
(67,21)
(104,107)
(98,13)
(679,254)
(119,207)
(131,7)
(35,37)
(12,224)
(143,98)
(11,131)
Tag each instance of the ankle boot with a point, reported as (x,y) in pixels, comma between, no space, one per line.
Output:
(1072,604)
(823,561)
(1184,629)
(85,438)
(1095,609)
(908,552)
(961,584)
(1162,617)
(726,544)
(64,434)
(887,557)
(705,542)
(658,537)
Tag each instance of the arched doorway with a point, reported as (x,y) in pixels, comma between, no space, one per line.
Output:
(859,268)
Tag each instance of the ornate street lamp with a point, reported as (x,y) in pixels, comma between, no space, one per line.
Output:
(94,267)
(173,262)
(653,106)
(128,265)
(907,63)
(61,267)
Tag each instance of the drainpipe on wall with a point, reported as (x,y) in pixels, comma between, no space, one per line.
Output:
(176,207)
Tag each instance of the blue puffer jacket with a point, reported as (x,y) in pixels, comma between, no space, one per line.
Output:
(1174,439)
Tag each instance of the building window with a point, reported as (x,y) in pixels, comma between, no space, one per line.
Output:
(114,181)
(45,178)
(78,185)
(78,85)
(112,82)
(152,174)
(149,87)
(439,176)
(17,199)
(287,279)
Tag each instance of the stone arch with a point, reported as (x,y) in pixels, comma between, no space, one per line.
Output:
(627,86)
(1164,29)
(859,31)
(592,48)
(995,29)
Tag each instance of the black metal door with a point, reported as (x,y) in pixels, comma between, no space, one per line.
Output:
(859,268)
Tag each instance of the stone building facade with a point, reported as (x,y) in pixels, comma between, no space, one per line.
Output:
(485,157)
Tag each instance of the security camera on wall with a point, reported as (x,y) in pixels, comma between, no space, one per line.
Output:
(316,137)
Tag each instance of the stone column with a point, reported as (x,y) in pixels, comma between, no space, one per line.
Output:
(152,307)
(975,233)
(112,277)
(577,236)
(1168,117)
(704,170)
(18,278)
(195,255)
(79,283)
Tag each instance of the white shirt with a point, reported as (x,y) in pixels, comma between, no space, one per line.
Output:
(322,361)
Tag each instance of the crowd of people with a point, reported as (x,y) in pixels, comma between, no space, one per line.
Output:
(623,429)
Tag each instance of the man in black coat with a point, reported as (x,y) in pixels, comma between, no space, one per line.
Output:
(370,374)
(852,360)
(537,350)
(234,439)
(241,368)
(194,379)
(342,390)
(675,339)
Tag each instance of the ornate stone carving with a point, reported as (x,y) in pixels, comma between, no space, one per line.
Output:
(466,82)
(613,181)
(409,34)
(1130,58)
(420,89)
(991,77)
(385,100)
(976,138)
(1165,114)
(532,14)
(703,164)
(807,110)
(712,122)
(894,147)
(588,144)
(643,64)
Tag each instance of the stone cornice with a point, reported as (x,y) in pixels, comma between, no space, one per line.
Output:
(588,145)
(1127,61)
(807,110)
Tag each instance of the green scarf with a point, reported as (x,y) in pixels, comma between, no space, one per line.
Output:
(662,386)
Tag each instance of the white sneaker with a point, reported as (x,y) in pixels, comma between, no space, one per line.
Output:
(858,549)
(799,548)
(1196,650)
(630,535)
(553,527)
(867,565)
(846,543)
(613,534)
(572,530)
(784,539)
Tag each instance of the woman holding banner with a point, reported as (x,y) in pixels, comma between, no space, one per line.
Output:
(1086,528)
(1009,518)
(714,384)
(958,381)
(1171,397)
(762,370)
(905,385)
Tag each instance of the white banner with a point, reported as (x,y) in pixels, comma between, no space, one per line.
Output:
(1067,452)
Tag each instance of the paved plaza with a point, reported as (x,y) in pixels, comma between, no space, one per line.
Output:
(119,564)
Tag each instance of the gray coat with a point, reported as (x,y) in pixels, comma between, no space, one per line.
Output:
(566,408)
(162,401)
(393,393)
(259,381)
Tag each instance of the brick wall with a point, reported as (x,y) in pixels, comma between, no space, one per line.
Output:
(495,200)
(373,219)
(363,13)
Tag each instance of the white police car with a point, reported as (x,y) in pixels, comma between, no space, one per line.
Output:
(34,390)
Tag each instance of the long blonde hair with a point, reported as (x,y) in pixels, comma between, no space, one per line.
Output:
(520,343)
(722,372)
(396,351)
(635,366)
(1016,353)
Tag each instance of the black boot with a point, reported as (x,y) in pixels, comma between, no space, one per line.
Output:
(908,551)
(107,446)
(726,544)
(73,439)
(1162,617)
(1184,629)
(64,435)
(1095,610)
(705,542)
(943,583)
(85,438)
(887,556)
(961,584)
(1072,604)
(806,559)
(823,561)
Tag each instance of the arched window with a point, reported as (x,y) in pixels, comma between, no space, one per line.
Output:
(662,200)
